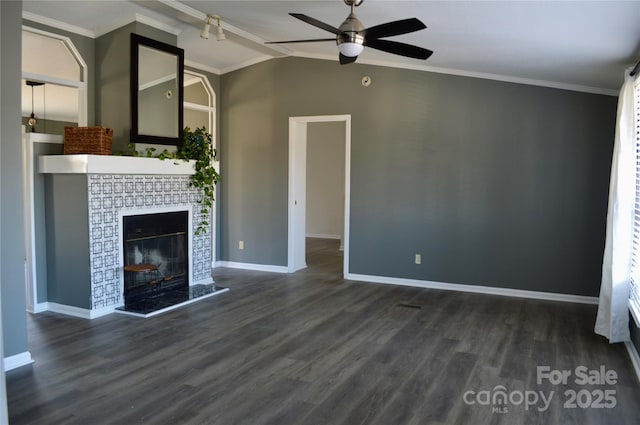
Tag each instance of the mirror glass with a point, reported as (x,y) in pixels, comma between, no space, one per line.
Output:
(157,91)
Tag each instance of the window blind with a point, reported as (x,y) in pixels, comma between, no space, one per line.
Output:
(634,301)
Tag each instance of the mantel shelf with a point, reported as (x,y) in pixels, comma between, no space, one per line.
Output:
(103,164)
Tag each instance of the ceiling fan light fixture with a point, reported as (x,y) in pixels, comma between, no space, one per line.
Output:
(352,36)
(350,49)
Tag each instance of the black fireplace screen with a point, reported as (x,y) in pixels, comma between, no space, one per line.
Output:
(155,255)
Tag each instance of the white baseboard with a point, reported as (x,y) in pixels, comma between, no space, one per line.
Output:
(82,313)
(17,360)
(38,308)
(490,290)
(322,236)
(99,312)
(250,266)
(633,355)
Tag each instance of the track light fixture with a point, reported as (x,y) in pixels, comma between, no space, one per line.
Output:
(207,25)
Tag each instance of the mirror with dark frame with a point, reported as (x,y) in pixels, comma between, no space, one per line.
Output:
(157,79)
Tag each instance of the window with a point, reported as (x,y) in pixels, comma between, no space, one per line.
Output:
(199,103)
(635,259)
(53,60)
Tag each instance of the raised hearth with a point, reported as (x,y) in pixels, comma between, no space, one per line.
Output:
(167,301)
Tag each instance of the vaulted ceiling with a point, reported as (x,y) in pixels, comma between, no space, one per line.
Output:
(584,45)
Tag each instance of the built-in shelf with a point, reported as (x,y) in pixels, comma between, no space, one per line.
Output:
(43,138)
(104,164)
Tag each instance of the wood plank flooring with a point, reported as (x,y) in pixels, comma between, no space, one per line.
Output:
(311,348)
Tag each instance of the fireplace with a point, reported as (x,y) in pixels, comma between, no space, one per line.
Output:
(156,260)
(110,188)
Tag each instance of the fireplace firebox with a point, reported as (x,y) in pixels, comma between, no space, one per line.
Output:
(156,261)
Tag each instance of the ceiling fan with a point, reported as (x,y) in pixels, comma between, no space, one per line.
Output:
(352,36)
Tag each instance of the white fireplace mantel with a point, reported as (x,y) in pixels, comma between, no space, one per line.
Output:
(104,164)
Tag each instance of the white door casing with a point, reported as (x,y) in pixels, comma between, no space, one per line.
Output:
(297,188)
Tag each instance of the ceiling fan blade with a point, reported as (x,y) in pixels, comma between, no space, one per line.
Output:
(390,29)
(300,41)
(397,48)
(347,59)
(312,21)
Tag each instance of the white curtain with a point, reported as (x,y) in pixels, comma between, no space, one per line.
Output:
(613,307)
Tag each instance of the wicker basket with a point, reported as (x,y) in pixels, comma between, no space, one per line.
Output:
(88,140)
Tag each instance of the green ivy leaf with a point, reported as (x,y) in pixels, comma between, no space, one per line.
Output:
(197,145)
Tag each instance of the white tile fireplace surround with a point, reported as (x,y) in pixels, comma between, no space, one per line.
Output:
(121,186)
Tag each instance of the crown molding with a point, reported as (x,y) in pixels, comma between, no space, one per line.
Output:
(247,63)
(201,67)
(101,31)
(114,25)
(157,24)
(473,74)
(58,24)
(137,18)
(216,71)
(186,9)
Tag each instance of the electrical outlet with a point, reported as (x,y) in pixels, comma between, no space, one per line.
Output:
(418,259)
(241,245)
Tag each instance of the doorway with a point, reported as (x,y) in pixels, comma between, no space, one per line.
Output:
(298,144)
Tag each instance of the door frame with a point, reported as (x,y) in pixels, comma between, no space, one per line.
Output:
(296,258)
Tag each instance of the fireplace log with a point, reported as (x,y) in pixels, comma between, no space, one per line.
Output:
(140,268)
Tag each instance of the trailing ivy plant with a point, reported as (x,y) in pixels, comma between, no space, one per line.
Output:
(196,145)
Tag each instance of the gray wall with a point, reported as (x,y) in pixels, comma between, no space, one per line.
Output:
(325,179)
(113,57)
(494,183)
(12,281)
(67,240)
(3,387)
(40,227)
(49,126)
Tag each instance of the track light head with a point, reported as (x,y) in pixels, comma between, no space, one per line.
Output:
(205,32)
(219,33)
(205,29)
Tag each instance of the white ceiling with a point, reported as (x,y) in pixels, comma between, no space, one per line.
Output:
(582,45)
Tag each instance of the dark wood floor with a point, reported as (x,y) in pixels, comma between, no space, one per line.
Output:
(311,348)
